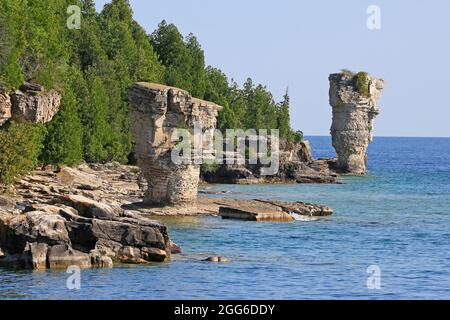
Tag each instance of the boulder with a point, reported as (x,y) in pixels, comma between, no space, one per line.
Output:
(79,179)
(35,255)
(269,210)
(7,203)
(89,208)
(34,105)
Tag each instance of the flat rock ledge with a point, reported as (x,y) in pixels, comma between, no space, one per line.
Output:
(239,209)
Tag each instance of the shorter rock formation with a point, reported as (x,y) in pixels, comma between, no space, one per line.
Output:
(29,104)
(157,111)
(296,166)
(353,113)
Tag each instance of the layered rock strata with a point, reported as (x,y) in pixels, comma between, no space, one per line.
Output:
(78,231)
(29,104)
(157,111)
(354,110)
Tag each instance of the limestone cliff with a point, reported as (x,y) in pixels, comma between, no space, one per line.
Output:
(29,104)
(156,112)
(353,115)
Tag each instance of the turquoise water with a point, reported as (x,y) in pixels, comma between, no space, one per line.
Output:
(398,218)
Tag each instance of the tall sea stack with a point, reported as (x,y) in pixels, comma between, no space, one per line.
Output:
(354,99)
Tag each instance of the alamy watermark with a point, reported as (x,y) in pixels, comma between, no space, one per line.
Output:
(374,280)
(74,19)
(374,20)
(237,146)
(73,282)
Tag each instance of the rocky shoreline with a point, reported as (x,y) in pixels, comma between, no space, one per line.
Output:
(93,216)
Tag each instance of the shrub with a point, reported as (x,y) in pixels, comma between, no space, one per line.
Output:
(20,145)
(298,136)
(362,83)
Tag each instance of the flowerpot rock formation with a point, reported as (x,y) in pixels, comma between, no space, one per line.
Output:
(156,112)
(353,113)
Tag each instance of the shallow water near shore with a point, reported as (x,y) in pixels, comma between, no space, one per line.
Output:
(397,218)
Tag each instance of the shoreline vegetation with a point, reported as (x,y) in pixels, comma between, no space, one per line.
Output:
(92,68)
(71,114)
(79,79)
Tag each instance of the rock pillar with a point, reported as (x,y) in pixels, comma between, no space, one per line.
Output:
(156,112)
(354,109)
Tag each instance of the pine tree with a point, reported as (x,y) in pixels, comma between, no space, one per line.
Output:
(174,56)
(12,43)
(197,66)
(96,129)
(63,143)
(283,118)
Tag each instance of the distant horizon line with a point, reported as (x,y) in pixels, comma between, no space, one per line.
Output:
(383,136)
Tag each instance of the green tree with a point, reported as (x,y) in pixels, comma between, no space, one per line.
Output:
(47,46)
(20,145)
(283,118)
(63,143)
(197,72)
(12,42)
(174,56)
(94,118)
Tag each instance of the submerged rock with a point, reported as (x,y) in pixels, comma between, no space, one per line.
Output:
(217,259)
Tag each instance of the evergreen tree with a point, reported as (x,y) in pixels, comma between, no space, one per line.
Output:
(174,56)
(12,42)
(283,118)
(63,143)
(96,129)
(197,72)
(20,145)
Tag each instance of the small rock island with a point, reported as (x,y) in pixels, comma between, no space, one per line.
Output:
(354,99)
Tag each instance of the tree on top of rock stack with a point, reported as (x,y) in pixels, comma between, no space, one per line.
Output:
(183,61)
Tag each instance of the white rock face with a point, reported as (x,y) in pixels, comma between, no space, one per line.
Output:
(353,115)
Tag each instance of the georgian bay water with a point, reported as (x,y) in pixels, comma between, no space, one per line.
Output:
(396,218)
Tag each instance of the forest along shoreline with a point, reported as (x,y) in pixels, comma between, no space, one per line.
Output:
(92,215)
(72,97)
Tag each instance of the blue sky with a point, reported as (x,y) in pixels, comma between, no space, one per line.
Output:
(298,43)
